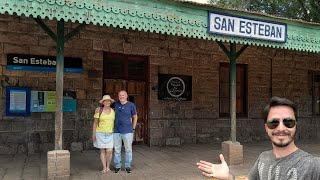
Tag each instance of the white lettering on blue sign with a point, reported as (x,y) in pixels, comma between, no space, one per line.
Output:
(245,27)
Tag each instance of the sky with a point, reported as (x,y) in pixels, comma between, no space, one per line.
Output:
(200,1)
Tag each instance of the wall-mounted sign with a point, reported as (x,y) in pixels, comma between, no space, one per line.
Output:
(230,25)
(69,101)
(45,101)
(42,63)
(17,101)
(175,87)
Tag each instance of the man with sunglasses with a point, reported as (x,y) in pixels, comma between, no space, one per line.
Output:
(286,161)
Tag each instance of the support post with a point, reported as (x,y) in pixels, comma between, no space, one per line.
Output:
(233,90)
(60,39)
(59,85)
(58,159)
(232,150)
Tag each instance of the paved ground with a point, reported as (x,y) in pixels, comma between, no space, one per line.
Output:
(156,163)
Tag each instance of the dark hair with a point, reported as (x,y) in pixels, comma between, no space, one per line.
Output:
(100,112)
(277,101)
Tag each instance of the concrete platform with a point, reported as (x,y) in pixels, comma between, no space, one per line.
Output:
(156,163)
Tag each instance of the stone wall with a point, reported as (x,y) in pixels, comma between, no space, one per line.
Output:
(270,72)
(36,133)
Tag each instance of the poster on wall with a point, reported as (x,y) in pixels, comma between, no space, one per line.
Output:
(17,101)
(45,101)
(174,87)
(69,101)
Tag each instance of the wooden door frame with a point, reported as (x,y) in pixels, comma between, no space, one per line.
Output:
(146,79)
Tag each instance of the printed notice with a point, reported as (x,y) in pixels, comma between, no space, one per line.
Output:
(50,101)
(18,101)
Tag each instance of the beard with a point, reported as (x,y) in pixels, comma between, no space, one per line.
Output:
(281,143)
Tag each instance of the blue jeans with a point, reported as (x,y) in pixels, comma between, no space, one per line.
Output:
(127,139)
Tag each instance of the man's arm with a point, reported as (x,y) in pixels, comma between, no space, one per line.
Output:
(134,121)
(253,173)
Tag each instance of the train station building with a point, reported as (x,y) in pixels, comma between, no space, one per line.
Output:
(172,57)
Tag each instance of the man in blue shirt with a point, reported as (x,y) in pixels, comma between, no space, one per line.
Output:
(124,126)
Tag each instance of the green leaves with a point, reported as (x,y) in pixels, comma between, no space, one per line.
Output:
(307,10)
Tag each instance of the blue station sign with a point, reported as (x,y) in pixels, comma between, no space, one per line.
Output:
(230,25)
(29,62)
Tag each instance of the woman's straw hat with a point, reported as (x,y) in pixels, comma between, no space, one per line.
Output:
(106,97)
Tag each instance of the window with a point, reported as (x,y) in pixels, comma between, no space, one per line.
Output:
(120,66)
(224,90)
(114,67)
(315,93)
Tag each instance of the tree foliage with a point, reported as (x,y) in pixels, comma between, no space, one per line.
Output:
(307,10)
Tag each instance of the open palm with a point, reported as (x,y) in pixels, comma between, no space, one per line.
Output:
(220,171)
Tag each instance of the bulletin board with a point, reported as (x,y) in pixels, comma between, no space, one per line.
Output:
(17,101)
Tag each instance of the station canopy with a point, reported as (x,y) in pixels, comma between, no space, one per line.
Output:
(172,17)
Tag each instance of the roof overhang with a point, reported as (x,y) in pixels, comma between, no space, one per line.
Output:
(159,16)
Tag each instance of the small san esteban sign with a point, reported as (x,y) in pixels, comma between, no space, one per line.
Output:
(42,63)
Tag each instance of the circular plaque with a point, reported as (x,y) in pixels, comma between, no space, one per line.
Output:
(175,86)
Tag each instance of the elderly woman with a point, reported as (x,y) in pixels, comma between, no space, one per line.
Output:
(102,134)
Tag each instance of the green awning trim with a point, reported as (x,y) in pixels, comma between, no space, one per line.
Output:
(160,16)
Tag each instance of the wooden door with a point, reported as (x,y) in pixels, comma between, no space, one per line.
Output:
(137,94)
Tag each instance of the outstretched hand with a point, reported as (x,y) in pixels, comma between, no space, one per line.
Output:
(220,171)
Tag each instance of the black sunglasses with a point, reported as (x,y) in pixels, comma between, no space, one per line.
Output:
(288,122)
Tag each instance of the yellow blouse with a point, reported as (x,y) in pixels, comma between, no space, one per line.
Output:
(106,123)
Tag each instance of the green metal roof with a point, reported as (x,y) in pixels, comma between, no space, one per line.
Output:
(160,16)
